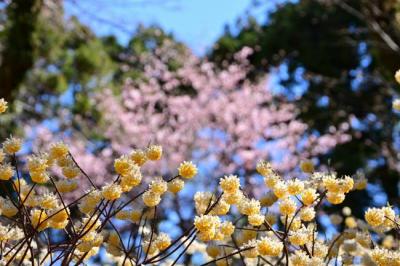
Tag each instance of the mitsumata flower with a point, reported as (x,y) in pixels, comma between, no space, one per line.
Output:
(260,217)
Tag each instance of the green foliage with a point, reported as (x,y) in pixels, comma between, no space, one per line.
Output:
(348,70)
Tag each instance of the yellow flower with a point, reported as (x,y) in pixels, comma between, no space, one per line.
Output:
(390,217)
(63,161)
(86,208)
(158,186)
(299,237)
(65,185)
(388,242)
(295,186)
(270,218)
(350,222)
(4,232)
(135,215)
(268,199)
(307,167)
(39,177)
(397,76)
(207,223)
(264,168)
(113,239)
(162,241)
(300,258)
(374,216)
(230,184)
(89,203)
(2,155)
(154,152)
(123,165)
(187,170)
(84,246)
(396,104)
(132,177)
(296,222)
(222,262)
(111,192)
(70,171)
(3,105)
(271,180)
(151,199)
(37,163)
(149,248)
(287,206)
(248,235)
(308,196)
(307,214)
(7,208)
(320,249)
(139,157)
(48,201)
(59,215)
(176,185)
(6,171)
(123,215)
(250,250)
(93,197)
(330,183)
(383,257)
(360,183)
(58,150)
(249,207)
(256,219)
(213,250)
(347,184)
(90,224)
(233,198)
(335,198)
(267,246)
(227,228)
(38,219)
(221,208)
(12,145)
(280,189)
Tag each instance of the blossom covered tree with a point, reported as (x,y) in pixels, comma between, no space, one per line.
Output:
(199,111)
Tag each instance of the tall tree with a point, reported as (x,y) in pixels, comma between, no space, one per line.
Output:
(19,48)
(339,56)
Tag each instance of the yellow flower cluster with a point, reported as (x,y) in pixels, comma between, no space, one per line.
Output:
(307,166)
(187,170)
(158,186)
(230,184)
(12,145)
(231,225)
(154,152)
(6,171)
(384,217)
(268,246)
(211,228)
(3,106)
(337,187)
(385,257)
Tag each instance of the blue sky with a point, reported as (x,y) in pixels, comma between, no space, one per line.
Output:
(198,23)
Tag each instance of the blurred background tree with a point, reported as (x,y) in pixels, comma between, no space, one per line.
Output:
(336,59)
(44,56)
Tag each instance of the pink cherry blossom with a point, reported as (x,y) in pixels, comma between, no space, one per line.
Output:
(223,118)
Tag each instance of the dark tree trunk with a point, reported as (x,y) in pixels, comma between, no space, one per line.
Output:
(19,48)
